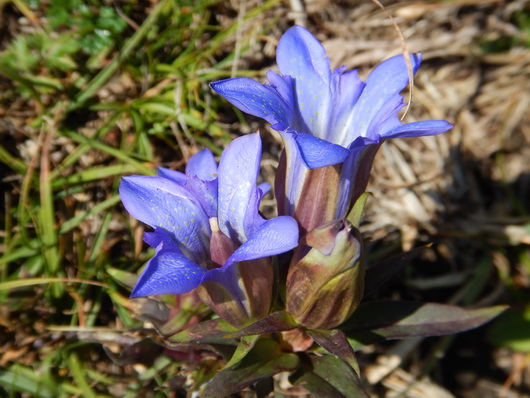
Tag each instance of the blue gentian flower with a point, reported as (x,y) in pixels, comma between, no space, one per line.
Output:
(326,118)
(206,223)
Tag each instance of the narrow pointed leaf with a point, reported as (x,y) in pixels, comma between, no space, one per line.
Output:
(245,345)
(124,278)
(357,211)
(336,343)
(276,322)
(328,376)
(177,323)
(265,360)
(390,320)
(204,332)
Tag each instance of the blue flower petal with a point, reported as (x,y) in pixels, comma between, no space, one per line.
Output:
(275,236)
(265,188)
(205,192)
(386,119)
(254,98)
(168,272)
(173,175)
(355,173)
(161,236)
(238,195)
(300,55)
(419,129)
(319,153)
(202,165)
(386,81)
(347,89)
(284,86)
(290,175)
(162,203)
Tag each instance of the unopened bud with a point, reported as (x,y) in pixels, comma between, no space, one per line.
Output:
(221,247)
(325,282)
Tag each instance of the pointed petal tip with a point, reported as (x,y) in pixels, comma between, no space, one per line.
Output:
(318,153)
(252,97)
(277,235)
(168,273)
(419,129)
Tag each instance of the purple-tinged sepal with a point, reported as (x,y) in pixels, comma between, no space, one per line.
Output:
(241,283)
(241,293)
(325,281)
(319,198)
(242,290)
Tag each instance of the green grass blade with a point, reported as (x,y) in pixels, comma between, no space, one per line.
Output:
(14,163)
(18,283)
(102,77)
(94,174)
(102,206)
(46,217)
(79,376)
(117,153)
(23,380)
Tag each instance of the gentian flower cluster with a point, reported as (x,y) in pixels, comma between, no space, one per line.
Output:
(207,229)
(282,285)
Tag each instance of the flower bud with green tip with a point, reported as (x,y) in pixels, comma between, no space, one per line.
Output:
(325,282)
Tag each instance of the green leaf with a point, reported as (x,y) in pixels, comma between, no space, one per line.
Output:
(187,309)
(104,75)
(276,322)
(328,376)
(213,331)
(78,372)
(512,330)
(19,283)
(263,361)
(335,342)
(245,345)
(14,163)
(124,278)
(117,153)
(75,221)
(388,320)
(357,211)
